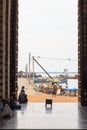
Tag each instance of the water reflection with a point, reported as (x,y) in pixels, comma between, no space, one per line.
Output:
(23,108)
(48,109)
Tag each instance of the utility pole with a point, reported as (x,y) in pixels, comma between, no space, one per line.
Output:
(29,66)
(26,72)
(33,68)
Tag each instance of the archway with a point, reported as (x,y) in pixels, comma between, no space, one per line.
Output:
(36,17)
(9,43)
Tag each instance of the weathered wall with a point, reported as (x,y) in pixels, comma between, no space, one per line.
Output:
(8,48)
(82,50)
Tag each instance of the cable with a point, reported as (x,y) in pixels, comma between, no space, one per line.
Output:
(56,58)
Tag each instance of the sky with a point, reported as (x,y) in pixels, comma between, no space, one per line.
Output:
(48,29)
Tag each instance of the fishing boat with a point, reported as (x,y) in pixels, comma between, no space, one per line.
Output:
(60,80)
(63,80)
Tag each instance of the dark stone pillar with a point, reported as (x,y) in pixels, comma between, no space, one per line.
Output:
(82,51)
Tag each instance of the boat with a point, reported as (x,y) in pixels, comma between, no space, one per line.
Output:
(60,80)
(71,89)
(37,80)
(63,80)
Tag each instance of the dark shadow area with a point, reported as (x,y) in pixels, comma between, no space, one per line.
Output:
(82,117)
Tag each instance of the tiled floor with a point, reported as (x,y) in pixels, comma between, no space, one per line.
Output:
(36,116)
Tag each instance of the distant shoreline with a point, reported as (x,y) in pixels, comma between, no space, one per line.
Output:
(57,72)
(68,75)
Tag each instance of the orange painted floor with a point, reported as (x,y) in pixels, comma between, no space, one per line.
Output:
(35,96)
(41,98)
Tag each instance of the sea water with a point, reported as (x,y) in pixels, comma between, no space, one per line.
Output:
(71,82)
(56,73)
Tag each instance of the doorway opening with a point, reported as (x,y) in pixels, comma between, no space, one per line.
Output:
(48,30)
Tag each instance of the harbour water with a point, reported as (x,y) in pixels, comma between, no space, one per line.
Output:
(57,73)
(71,82)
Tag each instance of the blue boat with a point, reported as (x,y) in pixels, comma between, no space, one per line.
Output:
(37,80)
(63,80)
(71,89)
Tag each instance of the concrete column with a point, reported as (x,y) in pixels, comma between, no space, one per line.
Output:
(4,41)
(8,22)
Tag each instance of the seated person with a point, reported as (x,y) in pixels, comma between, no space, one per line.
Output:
(6,111)
(13,105)
(22,97)
(23,88)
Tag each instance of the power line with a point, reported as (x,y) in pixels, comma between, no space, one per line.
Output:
(56,58)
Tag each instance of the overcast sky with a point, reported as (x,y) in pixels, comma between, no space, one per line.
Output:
(48,28)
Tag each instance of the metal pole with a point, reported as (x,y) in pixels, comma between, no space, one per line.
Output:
(26,71)
(29,66)
(43,69)
(33,68)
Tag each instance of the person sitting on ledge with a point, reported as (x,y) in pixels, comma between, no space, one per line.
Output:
(22,97)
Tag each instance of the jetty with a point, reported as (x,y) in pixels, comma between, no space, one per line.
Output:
(35,96)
